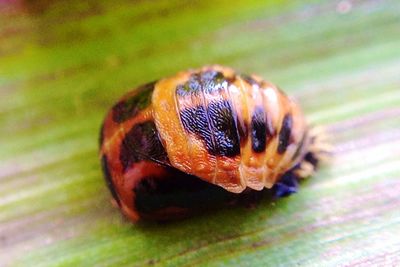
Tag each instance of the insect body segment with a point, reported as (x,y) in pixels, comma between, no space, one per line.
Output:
(201,131)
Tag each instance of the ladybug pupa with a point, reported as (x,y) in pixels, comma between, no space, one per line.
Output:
(204,137)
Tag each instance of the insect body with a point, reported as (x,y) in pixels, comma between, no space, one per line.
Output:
(201,137)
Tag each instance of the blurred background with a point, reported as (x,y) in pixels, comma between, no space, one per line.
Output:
(64,63)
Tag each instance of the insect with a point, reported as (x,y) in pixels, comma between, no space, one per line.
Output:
(203,137)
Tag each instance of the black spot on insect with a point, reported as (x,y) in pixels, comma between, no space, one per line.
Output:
(249,79)
(284,134)
(176,189)
(224,129)
(108,178)
(130,107)
(311,158)
(259,130)
(142,142)
(243,130)
(220,135)
(207,81)
(300,146)
(194,120)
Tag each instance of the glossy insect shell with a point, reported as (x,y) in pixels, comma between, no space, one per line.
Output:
(227,129)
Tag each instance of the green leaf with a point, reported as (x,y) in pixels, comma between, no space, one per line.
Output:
(63,65)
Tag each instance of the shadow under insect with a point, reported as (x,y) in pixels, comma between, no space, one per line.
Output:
(178,195)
